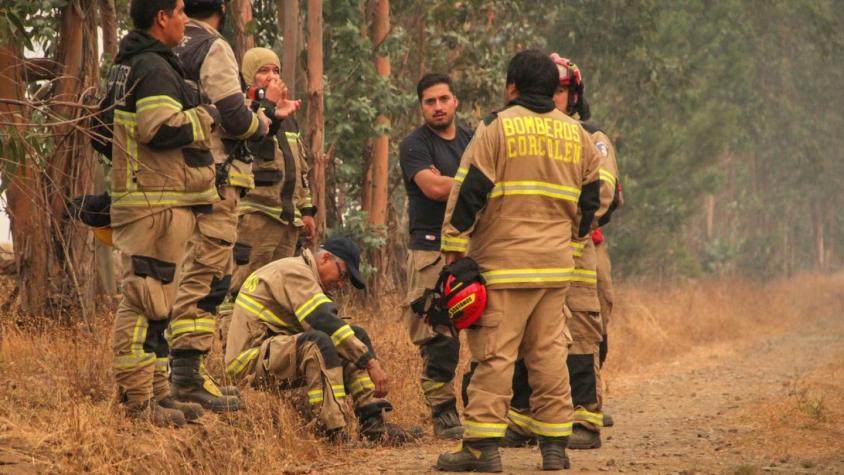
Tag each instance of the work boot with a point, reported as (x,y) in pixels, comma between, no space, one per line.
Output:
(446,421)
(513,439)
(224,390)
(191,410)
(608,422)
(583,438)
(476,455)
(553,450)
(375,429)
(188,384)
(156,414)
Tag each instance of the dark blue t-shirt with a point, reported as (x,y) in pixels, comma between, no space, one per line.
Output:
(417,152)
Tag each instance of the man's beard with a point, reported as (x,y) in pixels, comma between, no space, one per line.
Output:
(440,126)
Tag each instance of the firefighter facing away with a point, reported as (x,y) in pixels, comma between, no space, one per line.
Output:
(429,158)
(529,175)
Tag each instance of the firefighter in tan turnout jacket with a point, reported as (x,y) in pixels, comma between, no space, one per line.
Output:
(279,207)
(529,175)
(285,332)
(162,173)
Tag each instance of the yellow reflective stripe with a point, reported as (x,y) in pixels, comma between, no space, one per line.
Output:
(252,206)
(253,126)
(151,102)
(455,244)
(361,384)
(541,188)
(606,175)
(306,308)
(483,429)
(243,180)
(547,429)
(199,325)
(196,125)
(341,335)
(292,135)
(225,307)
(461,174)
(428,386)
(585,275)
(315,396)
(577,248)
(255,308)
(133,361)
(125,118)
(129,199)
(161,364)
(525,275)
(242,361)
(582,415)
(339,390)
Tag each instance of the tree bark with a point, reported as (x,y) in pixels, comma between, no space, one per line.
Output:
(381,144)
(243,41)
(288,13)
(315,129)
(108,16)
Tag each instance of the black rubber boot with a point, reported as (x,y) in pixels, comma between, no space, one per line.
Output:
(584,439)
(158,415)
(446,421)
(553,450)
(187,384)
(225,390)
(191,410)
(475,455)
(375,429)
(513,439)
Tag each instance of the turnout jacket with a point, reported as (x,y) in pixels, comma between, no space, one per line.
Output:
(281,188)
(210,63)
(161,154)
(285,297)
(583,295)
(529,175)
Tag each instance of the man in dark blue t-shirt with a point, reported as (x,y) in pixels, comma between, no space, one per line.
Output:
(429,158)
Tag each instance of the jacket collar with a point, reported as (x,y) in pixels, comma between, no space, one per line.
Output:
(205,26)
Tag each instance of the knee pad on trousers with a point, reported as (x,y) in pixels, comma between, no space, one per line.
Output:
(241,252)
(602,352)
(329,353)
(441,354)
(582,379)
(521,387)
(216,294)
(155,341)
(467,378)
(361,335)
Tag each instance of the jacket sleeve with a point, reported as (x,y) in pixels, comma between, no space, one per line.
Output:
(317,311)
(473,182)
(163,121)
(594,199)
(302,199)
(221,82)
(608,175)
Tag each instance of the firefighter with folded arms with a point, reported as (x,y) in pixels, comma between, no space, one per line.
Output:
(162,169)
(285,332)
(528,177)
(279,208)
(429,158)
(586,325)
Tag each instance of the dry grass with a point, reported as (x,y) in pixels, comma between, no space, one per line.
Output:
(57,410)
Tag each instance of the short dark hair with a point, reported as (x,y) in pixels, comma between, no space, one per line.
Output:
(143,12)
(203,10)
(533,72)
(432,79)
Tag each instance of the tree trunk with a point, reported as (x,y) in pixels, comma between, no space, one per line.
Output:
(108,16)
(243,40)
(381,144)
(316,112)
(288,18)
(709,201)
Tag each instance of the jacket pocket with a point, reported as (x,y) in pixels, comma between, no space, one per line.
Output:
(196,158)
(266,177)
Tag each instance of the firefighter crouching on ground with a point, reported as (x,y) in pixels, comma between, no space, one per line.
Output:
(429,158)
(211,66)
(585,324)
(285,332)
(523,179)
(162,170)
(272,214)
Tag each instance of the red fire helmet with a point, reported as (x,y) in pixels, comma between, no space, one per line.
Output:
(465,301)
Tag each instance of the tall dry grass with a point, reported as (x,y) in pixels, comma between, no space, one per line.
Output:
(58,411)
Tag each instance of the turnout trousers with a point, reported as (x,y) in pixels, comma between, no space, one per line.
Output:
(439,347)
(530,323)
(153,249)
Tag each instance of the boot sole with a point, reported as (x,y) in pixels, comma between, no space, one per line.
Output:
(489,468)
(218,408)
(589,446)
(565,465)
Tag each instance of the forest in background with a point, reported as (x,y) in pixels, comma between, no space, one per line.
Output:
(726,118)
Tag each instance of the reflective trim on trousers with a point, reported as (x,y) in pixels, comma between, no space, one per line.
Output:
(582,415)
(528,275)
(242,361)
(546,429)
(199,325)
(361,384)
(482,430)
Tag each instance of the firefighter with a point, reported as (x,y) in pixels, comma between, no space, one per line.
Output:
(210,63)
(162,171)
(285,332)
(529,175)
(586,325)
(429,158)
(279,208)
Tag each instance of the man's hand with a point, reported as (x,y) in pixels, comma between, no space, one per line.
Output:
(379,377)
(309,227)
(275,91)
(265,121)
(451,256)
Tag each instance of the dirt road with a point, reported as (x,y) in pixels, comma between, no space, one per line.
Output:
(768,405)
